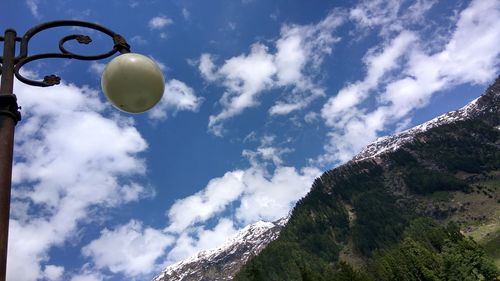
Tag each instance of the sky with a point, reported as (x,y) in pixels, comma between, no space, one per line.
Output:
(261,97)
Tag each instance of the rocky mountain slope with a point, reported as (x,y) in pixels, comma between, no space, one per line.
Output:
(222,263)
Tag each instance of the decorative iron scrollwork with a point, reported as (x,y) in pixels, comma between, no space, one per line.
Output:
(52,80)
(120,45)
(83,39)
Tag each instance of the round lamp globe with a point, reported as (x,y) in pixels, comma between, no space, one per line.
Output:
(133,83)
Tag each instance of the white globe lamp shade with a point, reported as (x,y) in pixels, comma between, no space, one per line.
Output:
(133,83)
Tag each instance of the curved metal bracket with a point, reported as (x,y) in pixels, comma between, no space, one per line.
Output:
(120,45)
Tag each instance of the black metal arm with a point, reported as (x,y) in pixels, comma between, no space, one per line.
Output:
(120,45)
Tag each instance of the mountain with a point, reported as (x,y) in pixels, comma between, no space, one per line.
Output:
(405,208)
(223,262)
(412,192)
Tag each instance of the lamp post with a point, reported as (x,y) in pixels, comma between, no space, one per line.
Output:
(133,83)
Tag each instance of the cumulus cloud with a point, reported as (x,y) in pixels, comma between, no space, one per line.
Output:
(63,170)
(177,97)
(271,198)
(159,22)
(272,194)
(245,77)
(471,55)
(260,195)
(131,249)
(249,195)
(203,205)
(299,53)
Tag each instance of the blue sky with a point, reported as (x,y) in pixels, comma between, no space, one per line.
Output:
(261,97)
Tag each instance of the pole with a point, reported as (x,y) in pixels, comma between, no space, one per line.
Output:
(8,120)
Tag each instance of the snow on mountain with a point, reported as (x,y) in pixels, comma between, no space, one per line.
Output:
(224,262)
(487,103)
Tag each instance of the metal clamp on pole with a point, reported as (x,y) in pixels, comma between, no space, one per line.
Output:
(9,107)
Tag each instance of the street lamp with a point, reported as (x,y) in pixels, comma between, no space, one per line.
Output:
(132,82)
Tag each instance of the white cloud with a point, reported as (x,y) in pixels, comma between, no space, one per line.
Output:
(311,117)
(198,239)
(376,12)
(159,22)
(177,97)
(245,77)
(88,276)
(390,15)
(139,40)
(204,204)
(63,170)
(261,196)
(271,198)
(33,6)
(207,67)
(471,55)
(266,153)
(97,68)
(418,9)
(130,249)
(300,51)
(53,272)
(378,64)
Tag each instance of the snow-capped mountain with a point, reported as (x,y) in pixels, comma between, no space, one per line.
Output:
(223,262)
(489,102)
